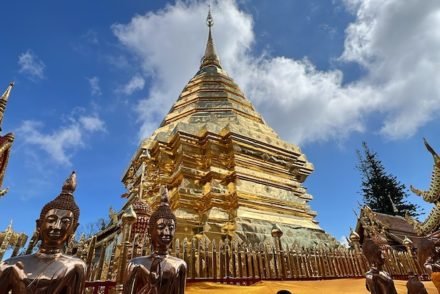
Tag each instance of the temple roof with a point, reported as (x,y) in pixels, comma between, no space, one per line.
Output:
(393,227)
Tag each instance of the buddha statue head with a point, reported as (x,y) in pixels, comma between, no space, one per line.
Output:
(374,253)
(59,219)
(162,224)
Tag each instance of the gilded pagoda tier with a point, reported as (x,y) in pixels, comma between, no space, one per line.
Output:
(228,172)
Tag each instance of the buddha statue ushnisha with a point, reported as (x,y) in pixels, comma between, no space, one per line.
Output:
(378,281)
(158,272)
(49,271)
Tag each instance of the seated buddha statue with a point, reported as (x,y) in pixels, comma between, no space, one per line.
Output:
(378,281)
(158,272)
(49,271)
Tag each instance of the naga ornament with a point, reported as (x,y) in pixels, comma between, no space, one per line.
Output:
(432,195)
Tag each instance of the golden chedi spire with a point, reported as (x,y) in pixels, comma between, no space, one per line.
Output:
(210,58)
(6,140)
(4,100)
(225,166)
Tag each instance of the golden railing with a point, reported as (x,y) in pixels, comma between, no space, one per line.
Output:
(241,263)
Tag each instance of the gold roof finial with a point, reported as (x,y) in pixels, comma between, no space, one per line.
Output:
(3,100)
(209,19)
(210,58)
(6,94)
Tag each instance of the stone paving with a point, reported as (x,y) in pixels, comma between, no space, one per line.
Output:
(340,286)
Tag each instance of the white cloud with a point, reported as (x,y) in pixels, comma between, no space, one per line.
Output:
(136,83)
(95,89)
(91,37)
(344,242)
(31,65)
(61,143)
(92,123)
(397,42)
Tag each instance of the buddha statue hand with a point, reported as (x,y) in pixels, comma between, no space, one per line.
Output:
(155,271)
(12,278)
(138,277)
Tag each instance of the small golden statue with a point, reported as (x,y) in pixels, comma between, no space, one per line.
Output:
(159,272)
(378,281)
(49,271)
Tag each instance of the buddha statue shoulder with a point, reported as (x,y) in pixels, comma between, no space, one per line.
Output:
(414,285)
(378,281)
(158,272)
(49,270)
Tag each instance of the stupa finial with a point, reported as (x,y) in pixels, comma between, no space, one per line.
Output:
(4,100)
(210,58)
(6,94)
(209,19)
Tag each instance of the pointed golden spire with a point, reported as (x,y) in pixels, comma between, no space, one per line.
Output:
(4,100)
(210,58)
(5,95)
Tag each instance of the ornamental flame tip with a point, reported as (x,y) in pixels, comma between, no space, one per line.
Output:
(6,94)
(209,19)
(69,185)
(210,58)
(429,148)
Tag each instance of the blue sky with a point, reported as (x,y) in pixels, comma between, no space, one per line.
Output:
(94,77)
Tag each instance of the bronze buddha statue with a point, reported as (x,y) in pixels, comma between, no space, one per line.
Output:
(159,272)
(49,271)
(378,281)
(414,285)
(429,255)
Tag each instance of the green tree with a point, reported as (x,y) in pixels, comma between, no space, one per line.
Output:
(381,191)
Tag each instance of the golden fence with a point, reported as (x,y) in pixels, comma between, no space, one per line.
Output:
(236,262)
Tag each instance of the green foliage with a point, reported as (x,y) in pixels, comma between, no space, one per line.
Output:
(381,191)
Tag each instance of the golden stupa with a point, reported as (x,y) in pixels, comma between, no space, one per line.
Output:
(227,171)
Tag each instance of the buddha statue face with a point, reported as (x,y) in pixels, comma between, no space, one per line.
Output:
(59,218)
(162,233)
(56,227)
(162,224)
